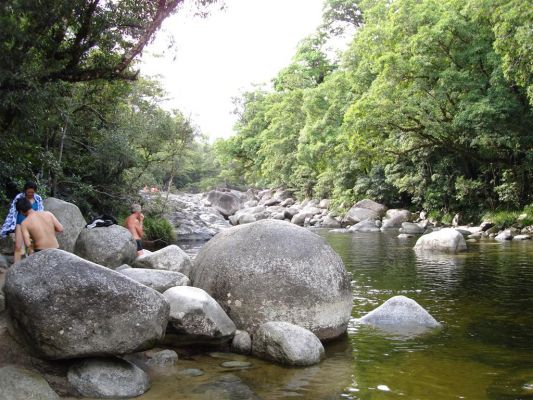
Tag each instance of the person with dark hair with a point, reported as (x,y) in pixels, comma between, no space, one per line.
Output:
(14,218)
(38,228)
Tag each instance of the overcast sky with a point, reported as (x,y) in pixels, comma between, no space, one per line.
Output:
(215,58)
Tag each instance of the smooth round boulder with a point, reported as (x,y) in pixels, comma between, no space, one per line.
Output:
(69,215)
(273,270)
(18,383)
(108,378)
(394,218)
(67,307)
(412,228)
(358,214)
(241,343)
(368,225)
(287,344)
(110,246)
(380,209)
(170,258)
(444,240)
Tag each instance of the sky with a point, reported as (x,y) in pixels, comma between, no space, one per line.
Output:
(204,62)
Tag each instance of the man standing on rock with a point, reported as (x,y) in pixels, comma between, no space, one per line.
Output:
(134,223)
(39,227)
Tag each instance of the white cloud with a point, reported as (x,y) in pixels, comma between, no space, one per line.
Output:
(215,58)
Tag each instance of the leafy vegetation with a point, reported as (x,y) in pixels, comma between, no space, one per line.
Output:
(157,229)
(430,106)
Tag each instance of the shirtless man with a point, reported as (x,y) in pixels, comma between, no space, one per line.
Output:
(39,227)
(134,223)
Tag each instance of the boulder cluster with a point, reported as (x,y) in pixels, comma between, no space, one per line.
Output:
(270,289)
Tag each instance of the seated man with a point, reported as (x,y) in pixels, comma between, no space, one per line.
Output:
(39,227)
(134,223)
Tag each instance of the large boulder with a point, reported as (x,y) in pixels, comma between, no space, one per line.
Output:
(226,203)
(401,314)
(197,315)
(67,307)
(445,240)
(358,214)
(380,209)
(367,225)
(170,258)
(110,246)
(18,383)
(287,344)
(412,228)
(156,279)
(275,271)
(394,218)
(108,378)
(70,217)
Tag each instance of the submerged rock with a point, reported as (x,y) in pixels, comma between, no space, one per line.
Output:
(400,314)
(108,378)
(272,270)
(18,383)
(287,344)
(67,307)
(365,226)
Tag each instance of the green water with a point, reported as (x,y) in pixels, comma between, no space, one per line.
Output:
(483,298)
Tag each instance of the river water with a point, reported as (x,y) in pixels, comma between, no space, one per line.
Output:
(483,298)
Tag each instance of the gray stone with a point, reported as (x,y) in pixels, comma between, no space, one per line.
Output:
(464,232)
(504,235)
(108,378)
(236,364)
(192,372)
(358,214)
(274,270)
(170,258)
(324,203)
(287,344)
(6,245)
(109,246)
(18,383)
(521,237)
(197,315)
(67,307)
(288,202)
(162,358)
(157,279)
(4,264)
(445,240)
(69,215)
(330,222)
(226,203)
(380,209)
(405,235)
(365,226)
(299,219)
(401,314)
(241,343)
(225,387)
(2,301)
(122,267)
(412,228)
(395,218)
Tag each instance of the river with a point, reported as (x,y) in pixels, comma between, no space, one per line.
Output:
(483,298)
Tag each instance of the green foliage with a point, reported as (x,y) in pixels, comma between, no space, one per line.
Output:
(507,218)
(428,108)
(159,229)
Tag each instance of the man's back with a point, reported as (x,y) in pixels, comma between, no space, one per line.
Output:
(134,226)
(41,227)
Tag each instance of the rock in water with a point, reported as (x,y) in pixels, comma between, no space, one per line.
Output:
(226,203)
(446,240)
(67,307)
(197,315)
(170,258)
(287,344)
(241,343)
(401,314)
(108,378)
(22,384)
(110,246)
(275,271)
(156,279)
(70,217)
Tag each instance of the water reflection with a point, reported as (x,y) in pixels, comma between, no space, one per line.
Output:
(483,298)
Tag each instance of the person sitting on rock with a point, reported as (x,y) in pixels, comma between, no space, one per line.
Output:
(38,228)
(14,218)
(134,223)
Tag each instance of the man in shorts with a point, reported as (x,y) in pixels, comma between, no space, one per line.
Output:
(134,223)
(38,228)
